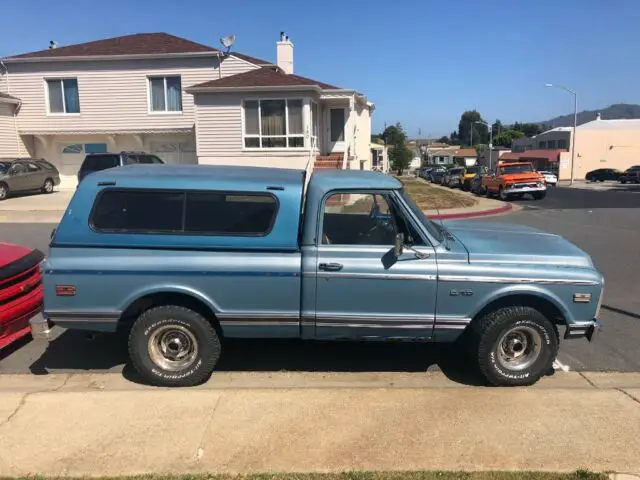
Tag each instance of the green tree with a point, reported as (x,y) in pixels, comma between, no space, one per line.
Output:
(394,135)
(445,139)
(497,127)
(400,156)
(506,138)
(529,129)
(469,131)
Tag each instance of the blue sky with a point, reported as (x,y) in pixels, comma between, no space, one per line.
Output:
(422,62)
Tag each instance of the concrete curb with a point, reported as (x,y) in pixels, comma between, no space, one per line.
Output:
(471,214)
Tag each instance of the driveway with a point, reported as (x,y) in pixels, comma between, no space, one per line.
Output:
(603,224)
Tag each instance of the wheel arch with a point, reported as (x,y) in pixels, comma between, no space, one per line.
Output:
(141,301)
(543,301)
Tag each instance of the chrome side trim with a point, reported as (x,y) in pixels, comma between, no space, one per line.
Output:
(399,325)
(259,323)
(542,281)
(372,276)
(258,316)
(380,319)
(78,316)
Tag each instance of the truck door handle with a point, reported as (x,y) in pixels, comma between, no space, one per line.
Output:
(330,267)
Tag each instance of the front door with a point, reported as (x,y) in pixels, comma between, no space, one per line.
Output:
(337,119)
(362,289)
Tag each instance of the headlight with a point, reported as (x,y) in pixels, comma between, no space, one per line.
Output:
(541,184)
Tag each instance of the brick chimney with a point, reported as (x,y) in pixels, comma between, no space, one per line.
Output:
(284,54)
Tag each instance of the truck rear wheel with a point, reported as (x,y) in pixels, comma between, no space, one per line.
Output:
(514,346)
(173,346)
(539,195)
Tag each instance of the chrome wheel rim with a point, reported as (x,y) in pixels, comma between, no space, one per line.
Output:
(518,348)
(3,192)
(48,186)
(503,195)
(173,347)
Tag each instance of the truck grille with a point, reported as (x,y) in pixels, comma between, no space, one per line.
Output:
(524,185)
(15,288)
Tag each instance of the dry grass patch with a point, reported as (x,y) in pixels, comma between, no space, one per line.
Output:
(430,197)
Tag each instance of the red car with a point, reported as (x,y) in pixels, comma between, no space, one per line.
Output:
(20,290)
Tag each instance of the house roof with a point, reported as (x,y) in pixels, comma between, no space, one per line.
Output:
(465,152)
(136,44)
(551,154)
(159,43)
(271,76)
(6,98)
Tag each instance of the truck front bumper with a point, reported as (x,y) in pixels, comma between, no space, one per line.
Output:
(41,328)
(588,330)
(524,189)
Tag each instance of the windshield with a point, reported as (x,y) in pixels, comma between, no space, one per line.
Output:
(4,167)
(524,168)
(432,228)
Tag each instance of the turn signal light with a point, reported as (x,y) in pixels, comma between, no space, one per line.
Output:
(65,290)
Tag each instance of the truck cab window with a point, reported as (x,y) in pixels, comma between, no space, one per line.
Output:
(358,219)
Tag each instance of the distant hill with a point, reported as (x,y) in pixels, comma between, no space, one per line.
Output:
(614,112)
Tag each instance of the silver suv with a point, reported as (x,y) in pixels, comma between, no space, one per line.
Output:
(27,174)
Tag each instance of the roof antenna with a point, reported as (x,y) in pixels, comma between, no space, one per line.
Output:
(53,44)
(227,42)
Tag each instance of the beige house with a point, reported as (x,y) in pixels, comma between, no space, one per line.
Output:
(599,144)
(184,101)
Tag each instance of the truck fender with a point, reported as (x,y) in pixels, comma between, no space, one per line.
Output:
(171,289)
(531,290)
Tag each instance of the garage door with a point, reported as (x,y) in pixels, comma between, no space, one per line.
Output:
(71,158)
(175,152)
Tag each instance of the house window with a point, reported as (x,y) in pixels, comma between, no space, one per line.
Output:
(562,143)
(551,144)
(273,124)
(165,94)
(63,95)
(542,145)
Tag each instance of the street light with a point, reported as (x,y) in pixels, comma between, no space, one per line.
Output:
(490,138)
(575,123)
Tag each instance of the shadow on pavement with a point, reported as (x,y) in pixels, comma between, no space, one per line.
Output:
(77,351)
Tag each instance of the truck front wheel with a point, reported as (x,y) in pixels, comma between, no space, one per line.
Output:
(514,346)
(539,195)
(173,346)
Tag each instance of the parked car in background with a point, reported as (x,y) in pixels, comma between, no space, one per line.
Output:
(476,185)
(603,174)
(550,178)
(20,291)
(27,174)
(469,174)
(453,177)
(435,175)
(350,257)
(95,162)
(630,175)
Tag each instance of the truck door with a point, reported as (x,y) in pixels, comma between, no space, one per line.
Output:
(362,290)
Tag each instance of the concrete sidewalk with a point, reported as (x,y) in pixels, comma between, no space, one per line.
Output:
(283,422)
(35,208)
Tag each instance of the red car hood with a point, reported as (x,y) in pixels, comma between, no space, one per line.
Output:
(10,253)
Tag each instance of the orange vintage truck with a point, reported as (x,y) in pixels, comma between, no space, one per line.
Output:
(514,179)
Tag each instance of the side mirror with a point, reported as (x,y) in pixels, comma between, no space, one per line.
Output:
(399,245)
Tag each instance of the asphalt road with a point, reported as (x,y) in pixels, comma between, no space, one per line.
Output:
(606,224)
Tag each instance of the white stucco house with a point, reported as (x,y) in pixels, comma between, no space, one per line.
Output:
(184,101)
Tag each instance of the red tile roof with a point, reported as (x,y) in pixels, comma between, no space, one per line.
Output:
(510,156)
(136,44)
(465,152)
(264,77)
(552,155)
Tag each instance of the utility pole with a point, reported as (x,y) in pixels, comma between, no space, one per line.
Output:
(575,125)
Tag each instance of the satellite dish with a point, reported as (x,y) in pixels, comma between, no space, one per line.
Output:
(228,41)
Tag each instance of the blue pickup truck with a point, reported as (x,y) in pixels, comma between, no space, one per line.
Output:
(181,258)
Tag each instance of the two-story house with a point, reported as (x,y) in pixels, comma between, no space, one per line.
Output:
(184,101)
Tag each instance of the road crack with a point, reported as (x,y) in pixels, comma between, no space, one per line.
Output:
(21,403)
(200,450)
(588,380)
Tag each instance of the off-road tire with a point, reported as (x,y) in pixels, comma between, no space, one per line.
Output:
(4,191)
(504,197)
(486,331)
(208,342)
(48,186)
